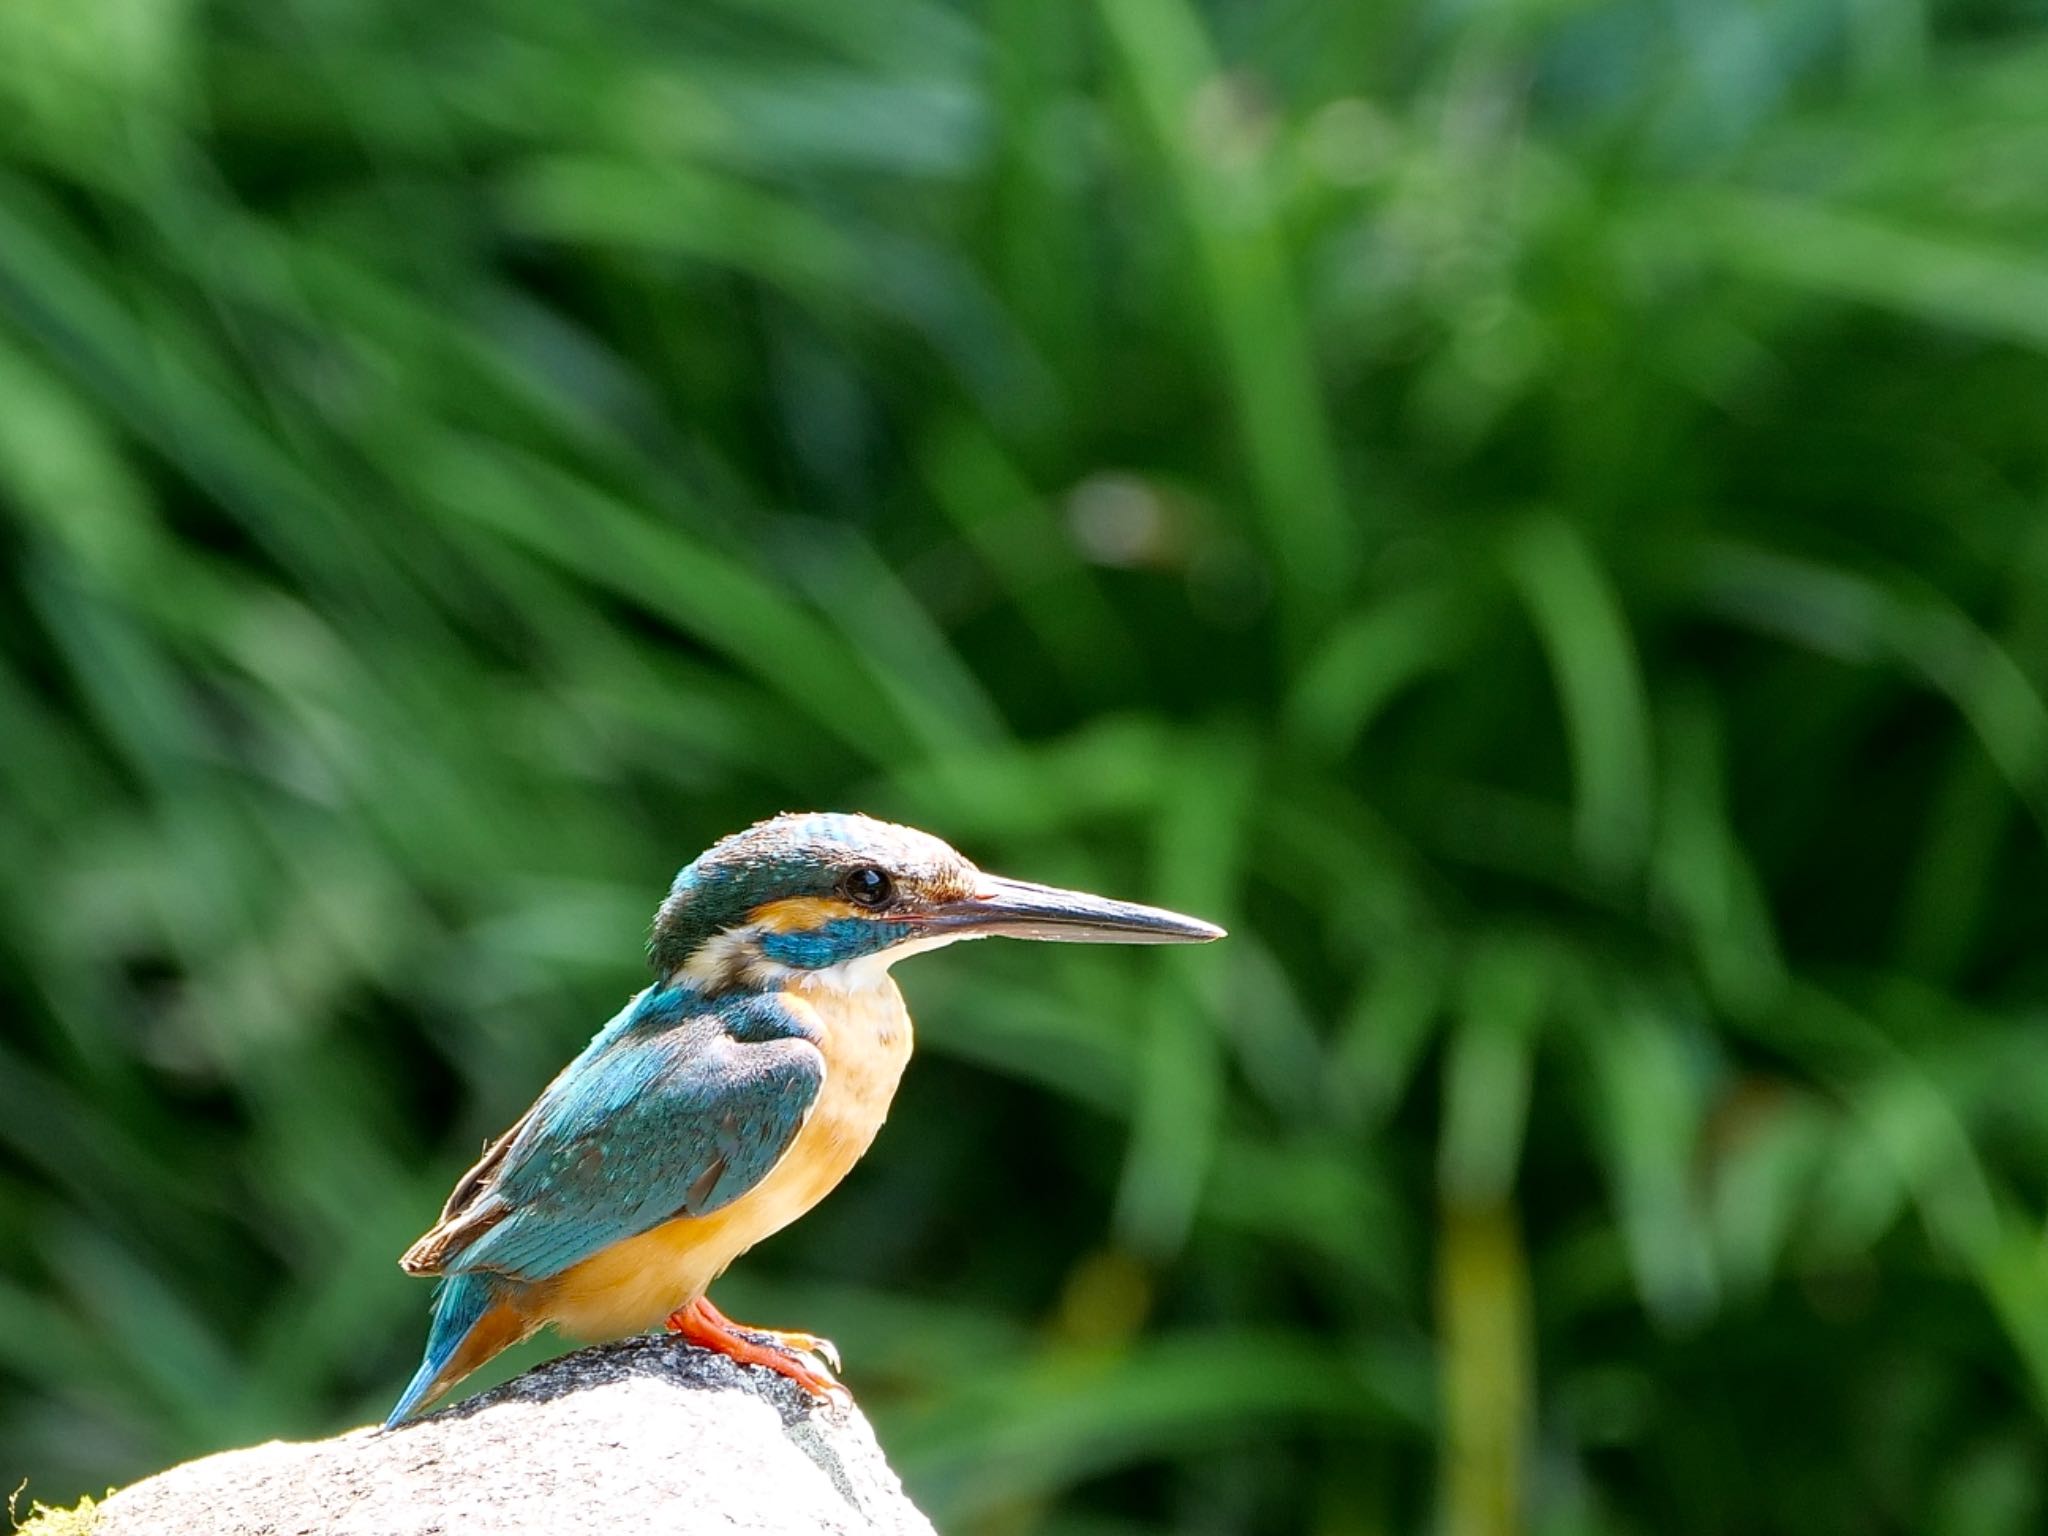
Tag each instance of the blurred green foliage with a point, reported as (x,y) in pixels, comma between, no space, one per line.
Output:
(1535,514)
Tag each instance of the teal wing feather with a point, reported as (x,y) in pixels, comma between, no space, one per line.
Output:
(677,1108)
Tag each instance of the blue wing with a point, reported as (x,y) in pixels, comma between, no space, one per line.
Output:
(676,1108)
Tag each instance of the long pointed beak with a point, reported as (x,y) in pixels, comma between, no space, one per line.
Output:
(1018,909)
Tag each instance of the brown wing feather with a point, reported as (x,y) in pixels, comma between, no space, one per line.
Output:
(466,1215)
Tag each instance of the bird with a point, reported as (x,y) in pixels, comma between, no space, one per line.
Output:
(727,1097)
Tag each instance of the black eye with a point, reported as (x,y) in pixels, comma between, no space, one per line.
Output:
(868,886)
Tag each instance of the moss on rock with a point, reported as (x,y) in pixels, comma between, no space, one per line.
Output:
(81,1519)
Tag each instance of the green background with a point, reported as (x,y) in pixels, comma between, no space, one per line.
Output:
(1535,513)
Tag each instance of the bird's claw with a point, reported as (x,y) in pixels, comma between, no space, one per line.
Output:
(804,1358)
(813,1364)
(820,1349)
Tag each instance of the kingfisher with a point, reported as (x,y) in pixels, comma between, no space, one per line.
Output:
(728,1097)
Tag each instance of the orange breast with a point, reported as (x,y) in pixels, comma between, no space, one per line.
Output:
(634,1285)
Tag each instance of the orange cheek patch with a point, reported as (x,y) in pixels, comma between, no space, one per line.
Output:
(801,914)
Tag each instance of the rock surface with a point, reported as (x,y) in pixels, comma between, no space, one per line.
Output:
(647,1435)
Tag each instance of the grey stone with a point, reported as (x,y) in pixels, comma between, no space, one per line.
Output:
(648,1435)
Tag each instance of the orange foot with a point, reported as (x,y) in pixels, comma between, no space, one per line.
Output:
(783,1353)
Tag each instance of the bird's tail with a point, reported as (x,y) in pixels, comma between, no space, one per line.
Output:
(471,1324)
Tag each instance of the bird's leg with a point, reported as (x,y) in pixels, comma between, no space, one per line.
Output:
(796,1342)
(783,1353)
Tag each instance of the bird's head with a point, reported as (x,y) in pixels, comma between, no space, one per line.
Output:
(846,896)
